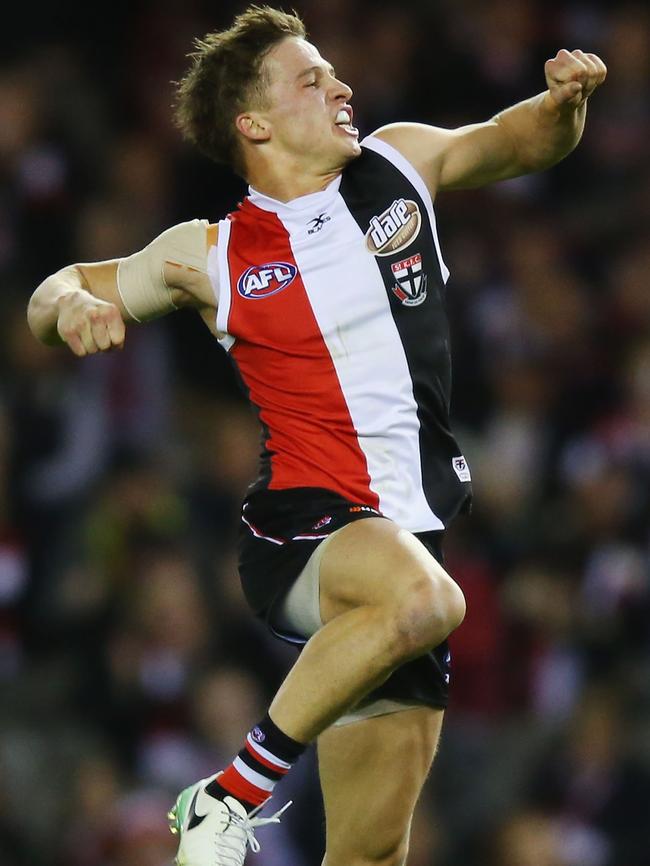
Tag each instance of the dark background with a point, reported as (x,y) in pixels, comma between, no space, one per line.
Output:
(129,666)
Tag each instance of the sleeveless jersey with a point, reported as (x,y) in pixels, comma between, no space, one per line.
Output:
(331,307)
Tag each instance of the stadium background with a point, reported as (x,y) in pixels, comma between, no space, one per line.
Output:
(129,665)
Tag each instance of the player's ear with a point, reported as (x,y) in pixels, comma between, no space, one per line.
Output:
(253,126)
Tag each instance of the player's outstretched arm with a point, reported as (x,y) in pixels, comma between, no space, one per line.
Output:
(527,137)
(86,306)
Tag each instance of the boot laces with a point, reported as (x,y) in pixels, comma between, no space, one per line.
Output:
(231,847)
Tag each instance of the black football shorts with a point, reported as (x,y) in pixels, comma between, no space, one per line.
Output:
(279,531)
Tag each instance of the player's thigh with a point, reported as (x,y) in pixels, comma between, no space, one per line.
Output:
(371,773)
(373,561)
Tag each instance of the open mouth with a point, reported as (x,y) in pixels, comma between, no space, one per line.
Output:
(344,121)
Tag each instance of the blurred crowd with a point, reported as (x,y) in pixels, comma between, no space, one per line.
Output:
(129,664)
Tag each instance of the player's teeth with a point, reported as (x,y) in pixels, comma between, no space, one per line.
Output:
(342,117)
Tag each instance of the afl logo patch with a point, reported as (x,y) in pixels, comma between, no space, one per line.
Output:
(261,281)
(394,229)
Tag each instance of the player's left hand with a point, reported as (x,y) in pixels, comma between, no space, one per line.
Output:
(572,76)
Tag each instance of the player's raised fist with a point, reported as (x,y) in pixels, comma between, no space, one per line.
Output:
(572,76)
(89,326)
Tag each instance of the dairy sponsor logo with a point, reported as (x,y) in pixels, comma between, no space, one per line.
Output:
(411,284)
(394,229)
(262,281)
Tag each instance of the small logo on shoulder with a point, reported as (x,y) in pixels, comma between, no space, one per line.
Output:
(261,281)
(394,229)
(461,468)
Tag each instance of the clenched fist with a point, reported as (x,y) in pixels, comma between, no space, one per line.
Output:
(572,76)
(89,325)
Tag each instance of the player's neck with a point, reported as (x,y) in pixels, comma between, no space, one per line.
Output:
(290,188)
(287,182)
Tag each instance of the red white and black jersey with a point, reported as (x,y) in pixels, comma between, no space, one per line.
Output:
(332,309)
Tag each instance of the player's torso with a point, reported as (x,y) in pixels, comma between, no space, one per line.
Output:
(332,310)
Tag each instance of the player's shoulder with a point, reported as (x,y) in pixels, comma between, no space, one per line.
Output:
(408,136)
(193,235)
(420,144)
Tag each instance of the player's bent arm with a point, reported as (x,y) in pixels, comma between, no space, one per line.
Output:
(86,305)
(527,137)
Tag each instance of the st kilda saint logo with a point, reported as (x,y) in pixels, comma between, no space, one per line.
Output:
(410,283)
(261,281)
(394,229)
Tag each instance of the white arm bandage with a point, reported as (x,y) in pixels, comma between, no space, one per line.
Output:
(140,277)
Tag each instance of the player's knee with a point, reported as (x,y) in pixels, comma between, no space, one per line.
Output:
(431,610)
(455,604)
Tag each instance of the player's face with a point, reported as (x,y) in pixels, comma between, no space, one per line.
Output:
(308,107)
